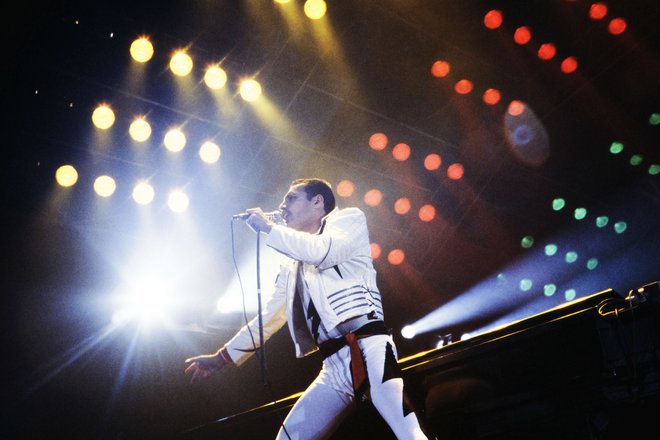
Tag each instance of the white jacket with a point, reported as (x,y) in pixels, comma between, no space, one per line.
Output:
(339,273)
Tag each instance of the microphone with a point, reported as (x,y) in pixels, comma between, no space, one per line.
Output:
(273,216)
(241,216)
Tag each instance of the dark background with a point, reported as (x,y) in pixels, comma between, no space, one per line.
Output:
(64,253)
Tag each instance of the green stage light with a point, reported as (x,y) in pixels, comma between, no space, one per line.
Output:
(616,147)
(580,213)
(558,204)
(527,242)
(592,263)
(602,221)
(549,289)
(636,159)
(620,227)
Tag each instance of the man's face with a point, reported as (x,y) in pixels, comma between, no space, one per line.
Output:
(298,212)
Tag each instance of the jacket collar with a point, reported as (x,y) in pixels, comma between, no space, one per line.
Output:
(324,219)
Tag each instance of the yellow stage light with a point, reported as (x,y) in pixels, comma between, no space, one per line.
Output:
(209,152)
(215,77)
(178,201)
(181,64)
(143,193)
(66,175)
(175,140)
(250,90)
(140,130)
(105,186)
(315,9)
(142,50)
(103,117)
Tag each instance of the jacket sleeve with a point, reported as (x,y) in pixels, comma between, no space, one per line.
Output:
(345,233)
(246,340)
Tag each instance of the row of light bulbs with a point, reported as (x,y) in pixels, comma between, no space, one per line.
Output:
(103,118)
(105,186)
(215,77)
(181,64)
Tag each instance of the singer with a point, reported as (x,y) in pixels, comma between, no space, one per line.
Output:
(326,291)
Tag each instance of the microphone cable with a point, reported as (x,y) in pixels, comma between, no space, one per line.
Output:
(260,351)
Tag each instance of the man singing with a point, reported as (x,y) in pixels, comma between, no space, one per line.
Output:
(326,290)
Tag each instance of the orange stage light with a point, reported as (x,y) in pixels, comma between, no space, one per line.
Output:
(378,141)
(345,188)
(491,96)
(516,108)
(375,250)
(455,171)
(396,257)
(427,213)
(440,69)
(432,162)
(401,152)
(373,197)
(402,206)
(464,86)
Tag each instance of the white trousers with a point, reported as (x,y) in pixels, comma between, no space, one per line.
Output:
(329,399)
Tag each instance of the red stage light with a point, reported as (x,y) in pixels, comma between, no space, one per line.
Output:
(491,96)
(440,69)
(522,35)
(617,26)
(569,65)
(597,11)
(463,86)
(547,51)
(493,19)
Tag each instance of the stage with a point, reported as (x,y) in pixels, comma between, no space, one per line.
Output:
(589,369)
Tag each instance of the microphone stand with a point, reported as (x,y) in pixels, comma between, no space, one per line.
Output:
(261,325)
(262,351)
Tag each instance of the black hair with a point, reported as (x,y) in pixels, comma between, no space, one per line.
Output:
(314,186)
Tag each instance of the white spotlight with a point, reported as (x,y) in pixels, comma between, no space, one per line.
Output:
(143,193)
(178,201)
(408,332)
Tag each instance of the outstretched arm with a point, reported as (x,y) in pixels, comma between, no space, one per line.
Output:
(242,345)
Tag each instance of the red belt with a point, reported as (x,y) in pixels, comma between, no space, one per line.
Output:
(358,371)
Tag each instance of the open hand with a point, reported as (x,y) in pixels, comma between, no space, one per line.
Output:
(202,367)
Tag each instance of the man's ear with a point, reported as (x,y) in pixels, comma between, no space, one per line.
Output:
(318,200)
